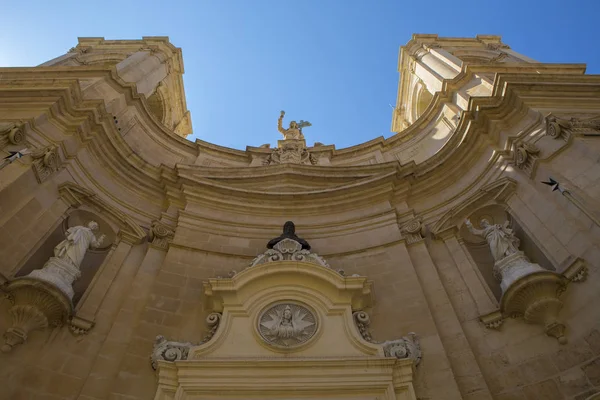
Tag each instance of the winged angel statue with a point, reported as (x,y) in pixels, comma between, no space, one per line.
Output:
(294,132)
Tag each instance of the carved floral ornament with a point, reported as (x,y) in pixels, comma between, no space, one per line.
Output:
(561,128)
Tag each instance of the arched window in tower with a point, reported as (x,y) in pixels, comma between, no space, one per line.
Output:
(156,105)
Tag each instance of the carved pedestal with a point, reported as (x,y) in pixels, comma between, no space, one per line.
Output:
(59,273)
(536,298)
(35,305)
(512,268)
(534,294)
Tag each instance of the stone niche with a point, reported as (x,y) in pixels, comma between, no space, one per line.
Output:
(289,327)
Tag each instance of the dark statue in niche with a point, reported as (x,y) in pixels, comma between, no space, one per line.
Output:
(289,232)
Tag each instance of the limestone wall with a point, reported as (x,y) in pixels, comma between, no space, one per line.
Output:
(179,213)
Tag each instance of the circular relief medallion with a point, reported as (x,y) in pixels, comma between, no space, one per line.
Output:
(287,325)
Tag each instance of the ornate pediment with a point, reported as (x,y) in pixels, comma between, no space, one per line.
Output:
(288,309)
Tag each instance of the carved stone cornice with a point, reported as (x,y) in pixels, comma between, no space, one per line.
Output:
(75,196)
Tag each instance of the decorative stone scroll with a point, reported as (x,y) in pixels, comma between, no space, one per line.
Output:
(287,325)
(172,351)
(46,161)
(413,231)
(525,155)
(288,250)
(560,128)
(405,347)
(12,133)
(160,235)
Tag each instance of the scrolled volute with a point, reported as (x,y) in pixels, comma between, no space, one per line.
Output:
(406,347)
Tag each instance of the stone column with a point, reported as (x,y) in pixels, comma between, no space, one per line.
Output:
(464,366)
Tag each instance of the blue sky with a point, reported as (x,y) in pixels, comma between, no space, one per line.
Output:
(331,62)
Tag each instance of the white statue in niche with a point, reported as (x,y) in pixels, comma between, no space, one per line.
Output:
(501,238)
(78,240)
(62,269)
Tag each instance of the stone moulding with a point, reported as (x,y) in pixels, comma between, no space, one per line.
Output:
(36,305)
(536,298)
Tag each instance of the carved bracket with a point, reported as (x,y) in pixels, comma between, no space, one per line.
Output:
(46,161)
(12,134)
(171,351)
(405,347)
(560,128)
(36,305)
(160,235)
(536,299)
(525,157)
(413,231)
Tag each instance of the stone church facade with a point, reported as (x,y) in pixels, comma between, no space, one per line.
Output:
(456,259)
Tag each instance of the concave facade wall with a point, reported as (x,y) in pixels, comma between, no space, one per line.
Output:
(177,213)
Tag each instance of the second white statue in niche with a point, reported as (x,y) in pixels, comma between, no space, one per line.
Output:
(78,240)
(501,238)
(62,269)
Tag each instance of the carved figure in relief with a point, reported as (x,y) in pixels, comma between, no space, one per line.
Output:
(287,325)
(78,240)
(294,132)
(501,238)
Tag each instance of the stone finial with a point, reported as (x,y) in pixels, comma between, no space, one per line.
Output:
(289,232)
